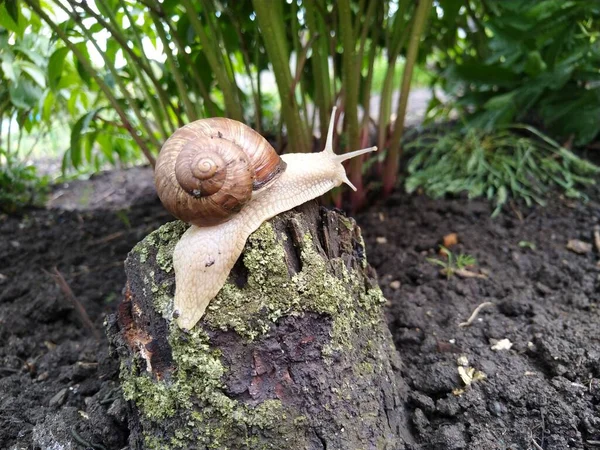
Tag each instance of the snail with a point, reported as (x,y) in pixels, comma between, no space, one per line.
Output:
(225,179)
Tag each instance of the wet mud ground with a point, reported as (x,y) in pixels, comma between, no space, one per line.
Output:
(58,384)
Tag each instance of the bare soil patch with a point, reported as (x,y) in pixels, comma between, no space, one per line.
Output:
(59,384)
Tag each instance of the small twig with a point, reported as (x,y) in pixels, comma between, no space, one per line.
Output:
(465,273)
(516,211)
(300,65)
(536,445)
(107,238)
(475,314)
(83,442)
(87,271)
(597,237)
(104,196)
(65,288)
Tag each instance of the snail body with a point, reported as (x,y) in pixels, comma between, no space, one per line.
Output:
(207,251)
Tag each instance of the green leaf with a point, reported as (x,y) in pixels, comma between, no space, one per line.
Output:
(476,72)
(13,10)
(8,68)
(6,18)
(79,129)
(47,107)
(535,64)
(24,94)
(35,72)
(55,67)
(83,73)
(36,58)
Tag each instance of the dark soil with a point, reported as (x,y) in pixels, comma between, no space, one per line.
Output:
(59,385)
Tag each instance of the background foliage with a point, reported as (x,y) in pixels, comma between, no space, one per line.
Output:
(108,81)
(514,60)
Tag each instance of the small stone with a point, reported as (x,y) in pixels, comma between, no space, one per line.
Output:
(43,376)
(497,408)
(543,289)
(118,410)
(422,401)
(381,240)
(420,421)
(462,361)
(502,344)
(451,437)
(448,406)
(579,247)
(395,284)
(59,398)
(3,278)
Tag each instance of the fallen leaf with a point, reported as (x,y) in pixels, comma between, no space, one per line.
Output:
(579,247)
(469,374)
(462,361)
(450,240)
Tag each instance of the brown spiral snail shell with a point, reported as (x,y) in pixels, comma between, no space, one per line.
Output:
(205,173)
(207,170)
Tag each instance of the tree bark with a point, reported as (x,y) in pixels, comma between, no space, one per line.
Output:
(293,353)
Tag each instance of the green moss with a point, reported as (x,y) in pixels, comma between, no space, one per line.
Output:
(194,394)
(270,293)
(347,222)
(164,256)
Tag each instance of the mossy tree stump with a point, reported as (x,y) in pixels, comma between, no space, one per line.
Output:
(293,353)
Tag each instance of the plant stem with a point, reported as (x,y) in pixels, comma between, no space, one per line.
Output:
(351,66)
(320,65)
(134,61)
(217,64)
(174,68)
(167,106)
(93,73)
(393,158)
(8,158)
(254,84)
(220,45)
(258,82)
(118,79)
(271,23)
(394,44)
(350,74)
(210,107)
(1,121)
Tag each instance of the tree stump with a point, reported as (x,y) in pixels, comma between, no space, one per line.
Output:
(294,352)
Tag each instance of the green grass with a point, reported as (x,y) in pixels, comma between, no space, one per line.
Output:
(498,165)
(453,263)
(20,185)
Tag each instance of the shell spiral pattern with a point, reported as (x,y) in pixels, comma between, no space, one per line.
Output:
(207,170)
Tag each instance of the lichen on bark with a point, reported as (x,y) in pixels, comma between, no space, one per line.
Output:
(211,389)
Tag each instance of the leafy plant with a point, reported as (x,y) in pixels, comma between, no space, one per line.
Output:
(20,185)
(453,263)
(498,165)
(515,60)
(527,244)
(130,73)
